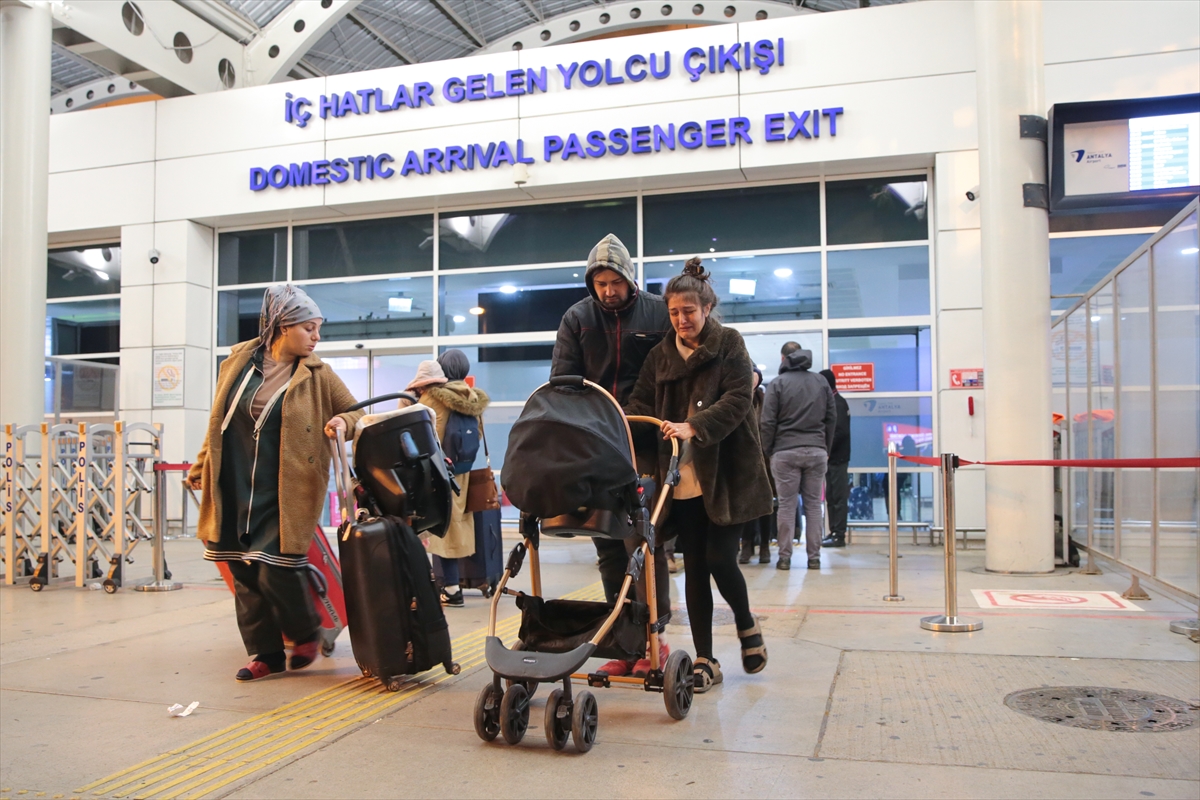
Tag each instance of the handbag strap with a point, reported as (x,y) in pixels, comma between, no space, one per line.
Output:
(483,435)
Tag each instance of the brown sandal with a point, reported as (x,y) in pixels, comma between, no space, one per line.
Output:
(754,651)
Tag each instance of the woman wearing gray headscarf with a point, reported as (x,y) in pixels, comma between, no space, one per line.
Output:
(274,400)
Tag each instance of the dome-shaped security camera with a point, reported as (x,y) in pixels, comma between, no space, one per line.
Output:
(154,254)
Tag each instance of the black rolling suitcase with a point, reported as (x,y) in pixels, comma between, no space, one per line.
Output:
(481,570)
(395,617)
(396,622)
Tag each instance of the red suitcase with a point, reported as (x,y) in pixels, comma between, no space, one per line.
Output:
(325,580)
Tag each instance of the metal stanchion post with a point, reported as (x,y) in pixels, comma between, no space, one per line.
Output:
(160,582)
(950,622)
(893,594)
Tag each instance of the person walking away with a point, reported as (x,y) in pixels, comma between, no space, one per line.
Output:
(759,530)
(698,381)
(456,403)
(798,422)
(274,400)
(837,477)
(605,337)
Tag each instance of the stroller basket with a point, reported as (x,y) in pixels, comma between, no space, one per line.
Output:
(559,626)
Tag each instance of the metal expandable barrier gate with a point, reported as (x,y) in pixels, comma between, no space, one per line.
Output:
(81,493)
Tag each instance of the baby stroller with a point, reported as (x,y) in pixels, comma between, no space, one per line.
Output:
(571,469)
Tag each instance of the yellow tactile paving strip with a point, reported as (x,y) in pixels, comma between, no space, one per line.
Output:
(205,767)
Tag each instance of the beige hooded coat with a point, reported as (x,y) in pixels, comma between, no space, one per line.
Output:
(459,541)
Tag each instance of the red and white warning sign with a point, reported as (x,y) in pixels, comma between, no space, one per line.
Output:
(854,377)
(966,379)
(1076,601)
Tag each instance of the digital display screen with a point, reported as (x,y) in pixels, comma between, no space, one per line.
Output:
(1164,152)
(1131,155)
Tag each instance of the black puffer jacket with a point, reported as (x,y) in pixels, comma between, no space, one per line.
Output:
(714,386)
(610,346)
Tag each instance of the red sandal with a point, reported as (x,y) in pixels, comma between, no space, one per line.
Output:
(255,670)
(304,654)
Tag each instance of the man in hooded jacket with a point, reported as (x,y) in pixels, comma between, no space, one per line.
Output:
(798,421)
(605,338)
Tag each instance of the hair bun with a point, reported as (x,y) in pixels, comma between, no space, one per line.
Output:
(694,269)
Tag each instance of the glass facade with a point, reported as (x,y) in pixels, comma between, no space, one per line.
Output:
(793,262)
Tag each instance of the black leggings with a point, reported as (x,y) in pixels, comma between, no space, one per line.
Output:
(709,550)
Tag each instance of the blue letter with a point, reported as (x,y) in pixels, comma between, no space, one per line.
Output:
(357,161)
(596,148)
(412,163)
(300,174)
(535,80)
(452,90)
(550,146)
(380,169)
(832,113)
(573,147)
(599,73)
(337,170)
(690,135)
(568,73)
(521,153)
(697,70)
(432,161)
(774,128)
(714,133)
(423,92)
(641,140)
(277,176)
(609,78)
(664,138)
(328,105)
(635,76)
(666,69)
(475,87)
(619,139)
(798,125)
(258,179)
(366,95)
(729,58)
(483,157)
(491,88)
(503,154)
(764,56)
(514,82)
(320,173)
(454,157)
(739,127)
(348,104)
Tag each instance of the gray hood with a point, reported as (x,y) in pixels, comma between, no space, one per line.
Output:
(611,253)
(799,360)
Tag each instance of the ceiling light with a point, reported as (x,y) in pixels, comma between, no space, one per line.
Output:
(401,304)
(459,318)
(1096,318)
(102,275)
(508,289)
(476,311)
(712,249)
(742,286)
(783,272)
(762,366)
(1190,251)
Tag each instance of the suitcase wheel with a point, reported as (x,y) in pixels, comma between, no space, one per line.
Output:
(327,648)
(394,684)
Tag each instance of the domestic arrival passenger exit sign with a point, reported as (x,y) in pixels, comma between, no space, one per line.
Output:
(854,377)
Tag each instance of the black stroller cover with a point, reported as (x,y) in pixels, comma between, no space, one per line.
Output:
(569,450)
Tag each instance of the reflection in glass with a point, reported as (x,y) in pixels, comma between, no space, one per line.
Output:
(768,217)
(876,210)
(353,370)
(869,496)
(392,373)
(509,372)
(900,357)
(252,257)
(508,302)
(874,422)
(391,308)
(1077,264)
(83,271)
(1100,308)
(764,349)
(755,288)
(81,386)
(88,326)
(533,234)
(890,282)
(368,247)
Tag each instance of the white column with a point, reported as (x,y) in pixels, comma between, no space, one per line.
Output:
(1015,286)
(24,177)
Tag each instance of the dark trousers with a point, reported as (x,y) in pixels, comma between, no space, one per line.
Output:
(837,496)
(449,569)
(709,554)
(272,602)
(758,533)
(614,559)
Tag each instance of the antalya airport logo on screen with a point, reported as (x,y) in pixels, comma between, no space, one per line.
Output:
(758,57)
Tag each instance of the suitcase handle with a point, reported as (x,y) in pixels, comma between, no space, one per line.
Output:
(341,474)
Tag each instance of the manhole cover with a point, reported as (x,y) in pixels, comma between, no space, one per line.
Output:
(721,616)
(1098,708)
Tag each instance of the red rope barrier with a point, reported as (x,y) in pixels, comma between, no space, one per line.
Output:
(1100,463)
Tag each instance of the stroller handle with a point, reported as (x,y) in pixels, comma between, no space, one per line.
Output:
(656,422)
(576,381)
(373,400)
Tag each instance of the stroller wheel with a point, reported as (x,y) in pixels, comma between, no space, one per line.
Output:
(487,713)
(514,714)
(678,684)
(585,719)
(530,686)
(557,721)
